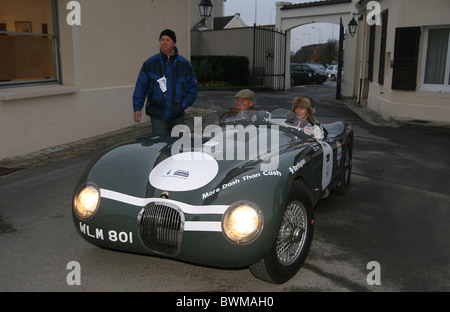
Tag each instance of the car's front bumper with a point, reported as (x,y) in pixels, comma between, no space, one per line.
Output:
(170,228)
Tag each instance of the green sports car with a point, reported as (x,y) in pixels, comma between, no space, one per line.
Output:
(234,194)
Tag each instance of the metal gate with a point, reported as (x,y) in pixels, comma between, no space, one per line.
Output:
(269,59)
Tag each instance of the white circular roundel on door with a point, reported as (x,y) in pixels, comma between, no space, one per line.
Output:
(184,172)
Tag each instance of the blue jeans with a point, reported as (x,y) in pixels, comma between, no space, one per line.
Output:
(161,126)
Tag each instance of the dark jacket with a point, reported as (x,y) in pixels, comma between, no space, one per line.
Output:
(182,86)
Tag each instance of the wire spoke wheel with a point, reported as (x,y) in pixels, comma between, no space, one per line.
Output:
(292,234)
(293,240)
(348,164)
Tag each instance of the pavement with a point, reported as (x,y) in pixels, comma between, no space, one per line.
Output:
(206,106)
(374,119)
(99,142)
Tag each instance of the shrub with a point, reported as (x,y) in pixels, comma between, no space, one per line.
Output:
(232,70)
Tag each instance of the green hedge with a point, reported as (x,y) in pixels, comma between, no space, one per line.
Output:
(230,69)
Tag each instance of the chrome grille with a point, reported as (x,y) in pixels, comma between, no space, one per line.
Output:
(161,228)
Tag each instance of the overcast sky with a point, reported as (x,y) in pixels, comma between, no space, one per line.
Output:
(264,12)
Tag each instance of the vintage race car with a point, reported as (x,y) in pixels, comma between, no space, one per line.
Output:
(234,194)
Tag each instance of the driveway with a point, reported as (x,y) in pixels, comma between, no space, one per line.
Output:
(389,233)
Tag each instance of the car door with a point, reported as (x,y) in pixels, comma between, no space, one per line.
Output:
(308,74)
(298,73)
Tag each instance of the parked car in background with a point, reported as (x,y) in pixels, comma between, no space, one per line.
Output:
(319,70)
(306,73)
(318,67)
(332,72)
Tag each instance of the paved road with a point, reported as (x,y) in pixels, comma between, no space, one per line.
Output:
(396,213)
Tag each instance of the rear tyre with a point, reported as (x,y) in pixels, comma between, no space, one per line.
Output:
(346,170)
(292,244)
(293,82)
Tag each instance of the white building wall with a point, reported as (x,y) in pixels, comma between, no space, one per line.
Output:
(330,13)
(100,61)
(421,104)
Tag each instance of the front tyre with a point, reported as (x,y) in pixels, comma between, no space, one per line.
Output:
(292,244)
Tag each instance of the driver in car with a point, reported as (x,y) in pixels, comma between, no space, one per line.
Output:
(245,100)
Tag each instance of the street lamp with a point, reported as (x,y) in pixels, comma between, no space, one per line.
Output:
(320,33)
(205,8)
(309,37)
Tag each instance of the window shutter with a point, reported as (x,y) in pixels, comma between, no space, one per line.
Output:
(373,30)
(406,58)
(384,21)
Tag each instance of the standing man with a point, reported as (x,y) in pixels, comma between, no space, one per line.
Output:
(169,83)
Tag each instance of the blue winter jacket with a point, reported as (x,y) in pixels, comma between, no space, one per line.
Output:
(182,86)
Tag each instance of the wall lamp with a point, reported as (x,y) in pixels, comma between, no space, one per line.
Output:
(205,8)
(354,24)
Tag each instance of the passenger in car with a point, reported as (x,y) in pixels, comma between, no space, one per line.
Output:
(303,109)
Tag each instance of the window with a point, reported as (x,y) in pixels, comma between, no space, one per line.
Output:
(28,41)
(437,60)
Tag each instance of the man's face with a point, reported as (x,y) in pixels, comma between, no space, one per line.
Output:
(244,104)
(166,44)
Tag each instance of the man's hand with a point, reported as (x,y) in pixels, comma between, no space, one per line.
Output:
(137,116)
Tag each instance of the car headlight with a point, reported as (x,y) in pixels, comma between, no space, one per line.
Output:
(86,201)
(242,222)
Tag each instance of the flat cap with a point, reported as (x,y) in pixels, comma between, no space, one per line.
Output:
(245,94)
